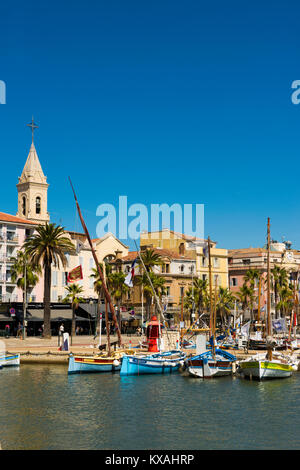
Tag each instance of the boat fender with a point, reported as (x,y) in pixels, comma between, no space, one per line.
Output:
(116,363)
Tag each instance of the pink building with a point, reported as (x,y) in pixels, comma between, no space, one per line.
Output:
(13,232)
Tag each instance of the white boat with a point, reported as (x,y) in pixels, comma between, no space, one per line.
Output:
(260,367)
(7,360)
(270,365)
(208,365)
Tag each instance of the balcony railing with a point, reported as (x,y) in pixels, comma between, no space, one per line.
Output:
(12,238)
(8,298)
(4,277)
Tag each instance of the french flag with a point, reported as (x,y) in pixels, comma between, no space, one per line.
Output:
(129,278)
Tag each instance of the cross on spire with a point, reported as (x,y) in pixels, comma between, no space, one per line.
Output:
(33,126)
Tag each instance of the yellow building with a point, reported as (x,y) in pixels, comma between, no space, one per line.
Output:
(192,248)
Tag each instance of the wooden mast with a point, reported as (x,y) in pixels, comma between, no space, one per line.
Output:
(269,331)
(106,293)
(210,298)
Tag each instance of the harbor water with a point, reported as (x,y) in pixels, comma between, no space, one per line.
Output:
(41,407)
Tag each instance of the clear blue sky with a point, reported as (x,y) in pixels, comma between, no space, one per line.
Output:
(162,101)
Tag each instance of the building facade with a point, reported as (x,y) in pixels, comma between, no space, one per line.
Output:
(241,260)
(13,232)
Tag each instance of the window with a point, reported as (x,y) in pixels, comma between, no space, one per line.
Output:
(54,295)
(38,205)
(181,291)
(204,277)
(203,262)
(246,261)
(233,281)
(216,262)
(24,205)
(181,268)
(54,278)
(64,278)
(168,290)
(181,249)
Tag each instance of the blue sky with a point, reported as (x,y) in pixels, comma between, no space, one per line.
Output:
(162,101)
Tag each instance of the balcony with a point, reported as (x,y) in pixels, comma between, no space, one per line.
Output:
(9,237)
(8,298)
(12,238)
(5,277)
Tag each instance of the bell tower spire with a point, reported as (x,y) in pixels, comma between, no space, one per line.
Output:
(33,187)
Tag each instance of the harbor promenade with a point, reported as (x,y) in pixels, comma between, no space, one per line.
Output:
(37,349)
(40,350)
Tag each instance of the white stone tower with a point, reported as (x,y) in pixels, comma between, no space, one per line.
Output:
(32,188)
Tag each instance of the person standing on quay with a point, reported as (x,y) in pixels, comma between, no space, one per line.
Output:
(61,333)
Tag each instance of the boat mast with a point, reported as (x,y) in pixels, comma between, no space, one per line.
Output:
(210,287)
(268,291)
(106,293)
(160,311)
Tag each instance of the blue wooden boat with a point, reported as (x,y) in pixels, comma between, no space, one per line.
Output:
(207,365)
(86,364)
(9,360)
(160,363)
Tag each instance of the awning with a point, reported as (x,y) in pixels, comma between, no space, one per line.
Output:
(57,315)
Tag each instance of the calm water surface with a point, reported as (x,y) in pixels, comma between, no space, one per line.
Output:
(41,407)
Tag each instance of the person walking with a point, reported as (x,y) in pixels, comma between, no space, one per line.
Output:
(61,334)
(7,330)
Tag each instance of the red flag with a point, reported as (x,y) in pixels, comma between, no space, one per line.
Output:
(75,274)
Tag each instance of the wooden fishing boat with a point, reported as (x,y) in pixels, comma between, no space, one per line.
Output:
(99,363)
(260,367)
(9,360)
(211,364)
(160,363)
(272,365)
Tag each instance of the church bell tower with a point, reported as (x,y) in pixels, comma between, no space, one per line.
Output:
(32,188)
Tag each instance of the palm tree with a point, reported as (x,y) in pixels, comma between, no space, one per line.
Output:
(22,268)
(250,279)
(158,283)
(150,259)
(225,303)
(251,276)
(119,288)
(200,291)
(47,247)
(73,296)
(244,296)
(280,280)
(286,301)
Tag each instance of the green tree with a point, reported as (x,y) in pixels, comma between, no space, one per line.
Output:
(150,259)
(21,267)
(73,297)
(225,303)
(158,283)
(279,281)
(47,247)
(200,293)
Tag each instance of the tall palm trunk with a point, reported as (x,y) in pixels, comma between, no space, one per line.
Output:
(73,322)
(47,309)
